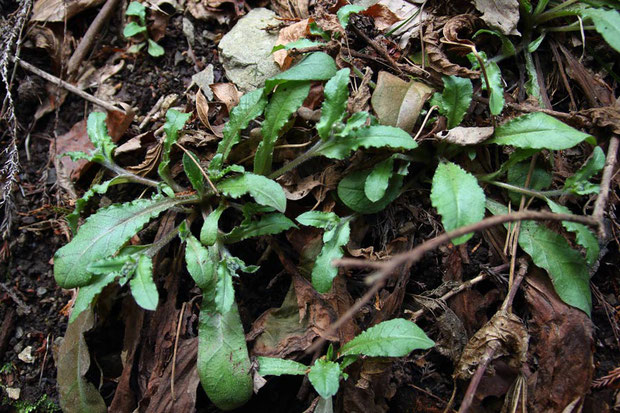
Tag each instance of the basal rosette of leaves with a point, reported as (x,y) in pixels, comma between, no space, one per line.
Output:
(100,254)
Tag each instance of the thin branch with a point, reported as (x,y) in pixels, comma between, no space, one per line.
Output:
(68,86)
(603,196)
(199,167)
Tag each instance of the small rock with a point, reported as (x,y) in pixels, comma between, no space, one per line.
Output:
(13,392)
(245,51)
(19,332)
(26,355)
(41,291)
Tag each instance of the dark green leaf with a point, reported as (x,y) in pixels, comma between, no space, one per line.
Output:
(297,44)
(193,171)
(351,192)
(367,137)
(284,102)
(209,231)
(271,366)
(583,235)
(335,103)
(378,180)
(317,66)
(496,97)
(537,131)
(517,175)
(458,198)
(175,121)
(455,99)
(201,262)
(264,191)
(269,224)
(393,338)
(578,183)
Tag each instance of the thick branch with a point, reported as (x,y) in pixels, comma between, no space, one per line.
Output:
(603,196)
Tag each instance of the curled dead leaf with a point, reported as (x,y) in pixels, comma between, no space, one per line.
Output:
(384,17)
(502,15)
(440,62)
(227,93)
(466,135)
(58,10)
(289,34)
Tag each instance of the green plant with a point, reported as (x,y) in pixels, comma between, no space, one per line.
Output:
(99,254)
(393,338)
(138,28)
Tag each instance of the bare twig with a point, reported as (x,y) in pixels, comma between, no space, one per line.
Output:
(176,346)
(200,168)
(68,86)
(89,37)
(603,195)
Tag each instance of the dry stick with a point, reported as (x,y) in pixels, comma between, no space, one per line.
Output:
(174,354)
(384,269)
(490,351)
(603,195)
(51,78)
(199,167)
(89,37)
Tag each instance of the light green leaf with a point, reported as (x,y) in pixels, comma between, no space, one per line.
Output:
(98,133)
(80,204)
(355,122)
(224,290)
(264,191)
(272,366)
(607,23)
(201,262)
(578,183)
(344,13)
(175,121)
(284,102)
(317,66)
(584,235)
(297,44)
(535,44)
(318,219)
(209,230)
(378,180)
(454,100)
(143,288)
(325,377)
(566,267)
(537,131)
(496,97)
(251,105)
(193,172)
(154,49)
(102,235)
(135,48)
(392,338)
(378,136)
(458,198)
(133,28)
(335,103)
(223,362)
(136,9)
(351,191)
(88,293)
(323,271)
(269,224)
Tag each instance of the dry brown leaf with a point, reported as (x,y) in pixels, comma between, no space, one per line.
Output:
(465,135)
(291,9)
(289,34)
(358,101)
(296,188)
(397,102)
(200,11)
(227,93)
(157,29)
(459,29)
(151,159)
(384,17)
(440,62)
(54,10)
(75,140)
(502,15)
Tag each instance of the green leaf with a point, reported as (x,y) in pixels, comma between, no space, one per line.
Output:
(535,44)
(317,66)
(537,131)
(269,224)
(98,133)
(496,97)
(351,191)
(454,100)
(135,48)
(607,23)
(143,288)
(272,366)
(392,338)
(517,175)
(223,362)
(323,271)
(344,13)
(378,136)
(264,190)
(315,30)
(297,44)
(284,102)
(80,204)
(133,28)
(175,121)
(193,172)
(325,377)
(224,290)
(251,105)
(88,293)
(136,9)
(318,219)
(154,49)
(209,231)
(458,198)
(201,262)
(76,393)
(584,236)
(102,235)
(508,49)
(532,87)
(378,180)
(578,183)
(355,122)
(335,103)
(566,267)
(515,157)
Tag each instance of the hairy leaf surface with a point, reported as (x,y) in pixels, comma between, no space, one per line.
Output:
(323,271)
(455,99)
(269,224)
(335,103)
(264,190)
(143,287)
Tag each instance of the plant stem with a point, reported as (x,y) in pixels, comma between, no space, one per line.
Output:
(122,172)
(574,27)
(556,12)
(530,192)
(310,153)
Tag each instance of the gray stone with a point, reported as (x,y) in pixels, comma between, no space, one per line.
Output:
(245,51)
